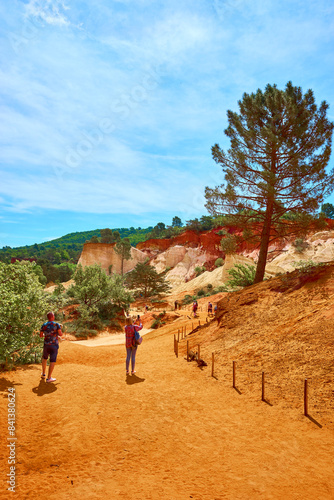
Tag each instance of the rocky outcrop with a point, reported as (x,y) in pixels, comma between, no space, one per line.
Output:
(105,255)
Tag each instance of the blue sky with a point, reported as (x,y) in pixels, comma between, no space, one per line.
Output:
(109,108)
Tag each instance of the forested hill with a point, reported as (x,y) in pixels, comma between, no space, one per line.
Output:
(68,247)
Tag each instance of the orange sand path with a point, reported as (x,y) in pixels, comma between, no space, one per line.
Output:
(171,432)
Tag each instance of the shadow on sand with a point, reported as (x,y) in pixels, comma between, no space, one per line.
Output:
(133,379)
(313,420)
(44,388)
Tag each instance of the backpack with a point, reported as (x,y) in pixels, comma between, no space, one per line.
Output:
(137,338)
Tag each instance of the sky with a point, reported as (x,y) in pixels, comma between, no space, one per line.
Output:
(109,109)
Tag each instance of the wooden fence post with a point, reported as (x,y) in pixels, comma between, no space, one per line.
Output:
(178,336)
(213,364)
(174,344)
(177,349)
(198,354)
(233,374)
(262,397)
(305,398)
(188,350)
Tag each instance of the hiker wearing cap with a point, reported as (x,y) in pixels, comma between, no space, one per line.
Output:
(131,347)
(50,331)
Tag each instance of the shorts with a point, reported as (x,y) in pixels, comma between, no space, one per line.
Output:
(52,350)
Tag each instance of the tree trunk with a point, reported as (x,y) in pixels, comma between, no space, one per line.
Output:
(265,236)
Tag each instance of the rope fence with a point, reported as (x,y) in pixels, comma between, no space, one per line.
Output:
(182,335)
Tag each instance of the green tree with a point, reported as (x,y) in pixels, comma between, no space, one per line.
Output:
(94,239)
(328,210)
(123,249)
(116,236)
(146,281)
(280,145)
(106,236)
(194,225)
(177,222)
(91,285)
(22,307)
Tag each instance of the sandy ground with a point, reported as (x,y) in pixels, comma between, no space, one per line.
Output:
(170,432)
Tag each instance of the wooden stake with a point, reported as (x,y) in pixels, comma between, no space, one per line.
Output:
(177,349)
(198,354)
(188,350)
(174,343)
(262,398)
(234,374)
(178,336)
(213,364)
(305,398)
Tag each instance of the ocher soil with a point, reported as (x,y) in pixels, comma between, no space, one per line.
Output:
(174,432)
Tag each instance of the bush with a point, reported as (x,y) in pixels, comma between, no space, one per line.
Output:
(22,307)
(241,276)
(199,270)
(307,266)
(209,286)
(201,293)
(300,245)
(85,333)
(187,299)
(219,262)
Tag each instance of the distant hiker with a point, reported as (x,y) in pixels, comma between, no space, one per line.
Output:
(146,308)
(195,307)
(209,309)
(131,348)
(50,331)
(216,309)
(176,305)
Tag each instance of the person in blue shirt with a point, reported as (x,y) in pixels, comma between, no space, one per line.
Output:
(50,331)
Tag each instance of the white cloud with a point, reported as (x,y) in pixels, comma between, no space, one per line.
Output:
(48,11)
(162,76)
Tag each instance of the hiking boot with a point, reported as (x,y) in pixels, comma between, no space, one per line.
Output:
(51,379)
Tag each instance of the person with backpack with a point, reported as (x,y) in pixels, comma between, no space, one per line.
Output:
(130,342)
(209,309)
(50,331)
(195,307)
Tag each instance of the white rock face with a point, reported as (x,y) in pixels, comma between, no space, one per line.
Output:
(183,261)
(105,255)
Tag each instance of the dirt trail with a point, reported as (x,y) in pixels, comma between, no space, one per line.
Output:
(170,432)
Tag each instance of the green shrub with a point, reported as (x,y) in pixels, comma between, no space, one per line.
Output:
(307,266)
(300,245)
(201,293)
(85,333)
(22,308)
(241,276)
(187,299)
(209,286)
(219,262)
(199,270)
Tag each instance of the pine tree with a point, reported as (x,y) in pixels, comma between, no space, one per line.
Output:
(123,249)
(275,169)
(145,279)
